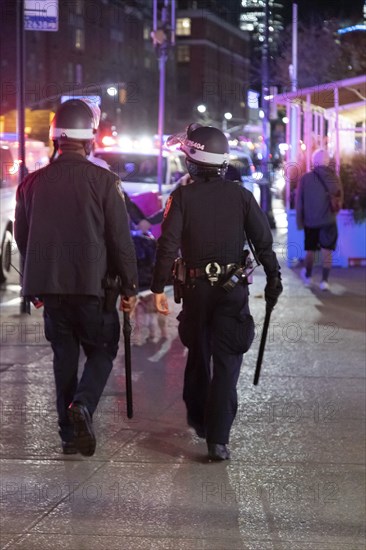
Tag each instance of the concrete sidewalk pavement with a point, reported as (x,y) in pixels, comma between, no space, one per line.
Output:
(296,480)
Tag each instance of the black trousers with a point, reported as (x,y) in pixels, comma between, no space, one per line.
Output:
(71,322)
(214,325)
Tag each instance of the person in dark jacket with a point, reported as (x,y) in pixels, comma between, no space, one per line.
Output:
(208,221)
(315,216)
(72,231)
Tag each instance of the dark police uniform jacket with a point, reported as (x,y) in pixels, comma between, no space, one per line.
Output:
(208,221)
(71,227)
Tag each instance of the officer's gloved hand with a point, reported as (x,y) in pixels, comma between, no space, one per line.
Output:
(272,291)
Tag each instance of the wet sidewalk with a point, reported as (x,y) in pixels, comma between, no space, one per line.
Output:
(296,480)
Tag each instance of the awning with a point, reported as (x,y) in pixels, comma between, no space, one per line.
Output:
(351,96)
(307,110)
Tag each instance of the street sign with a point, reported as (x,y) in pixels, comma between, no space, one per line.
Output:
(41,15)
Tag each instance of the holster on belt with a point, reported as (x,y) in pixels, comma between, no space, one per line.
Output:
(241,273)
(179,279)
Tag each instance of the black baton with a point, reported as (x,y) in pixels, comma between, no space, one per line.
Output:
(262,345)
(127,337)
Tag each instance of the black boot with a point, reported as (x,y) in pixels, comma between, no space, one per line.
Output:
(84,437)
(216,451)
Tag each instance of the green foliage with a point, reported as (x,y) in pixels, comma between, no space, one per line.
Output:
(353,177)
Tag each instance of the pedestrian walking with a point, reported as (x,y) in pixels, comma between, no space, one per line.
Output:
(72,231)
(318,199)
(208,222)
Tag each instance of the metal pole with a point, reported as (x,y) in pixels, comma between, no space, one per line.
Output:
(162,61)
(163,38)
(336,110)
(21,91)
(20,38)
(308,131)
(293,121)
(288,153)
(265,196)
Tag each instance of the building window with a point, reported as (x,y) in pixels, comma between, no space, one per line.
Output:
(183,26)
(79,39)
(183,54)
(146,32)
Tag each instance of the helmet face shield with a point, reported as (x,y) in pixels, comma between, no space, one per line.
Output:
(204,145)
(74,119)
(176,138)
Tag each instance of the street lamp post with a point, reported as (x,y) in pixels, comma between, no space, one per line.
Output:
(163,36)
(227,116)
(265,196)
(21,89)
(25,304)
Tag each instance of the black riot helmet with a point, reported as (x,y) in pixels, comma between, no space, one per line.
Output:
(204,146)
(74,120)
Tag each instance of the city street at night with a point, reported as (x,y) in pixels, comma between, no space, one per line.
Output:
(296,479)
(151,142)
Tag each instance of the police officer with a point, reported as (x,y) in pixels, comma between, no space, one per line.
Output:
(208,221)
(72,231)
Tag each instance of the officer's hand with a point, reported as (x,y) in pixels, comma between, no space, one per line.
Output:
(272,291)
(128,304)
(161,303)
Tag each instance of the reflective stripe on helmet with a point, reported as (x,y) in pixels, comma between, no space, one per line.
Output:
(72,133)
(204,157)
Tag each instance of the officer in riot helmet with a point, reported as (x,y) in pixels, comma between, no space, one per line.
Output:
(72,231)
(209,222)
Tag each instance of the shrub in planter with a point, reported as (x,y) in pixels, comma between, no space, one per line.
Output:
(353,177)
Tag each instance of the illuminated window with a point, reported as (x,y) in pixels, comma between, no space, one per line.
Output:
(183,26)
(183,54)
(79,39)
(146,32)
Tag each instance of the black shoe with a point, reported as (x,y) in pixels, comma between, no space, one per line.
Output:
(200,429)
(84,437)
(69,448)
(218,452)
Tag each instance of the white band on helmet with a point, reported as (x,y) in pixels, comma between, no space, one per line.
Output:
(204,156)
(72,133)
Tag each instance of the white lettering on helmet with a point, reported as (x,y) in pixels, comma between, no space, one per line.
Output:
(195,144)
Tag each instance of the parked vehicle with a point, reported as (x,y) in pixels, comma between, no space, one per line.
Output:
(241,166)
(138,170)
(36,157)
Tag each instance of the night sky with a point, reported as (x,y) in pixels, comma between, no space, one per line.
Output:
(310,9)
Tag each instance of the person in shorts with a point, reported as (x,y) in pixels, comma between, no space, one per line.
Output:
(315,215)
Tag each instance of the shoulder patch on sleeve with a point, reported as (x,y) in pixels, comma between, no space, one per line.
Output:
(167,206)
(118,184)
